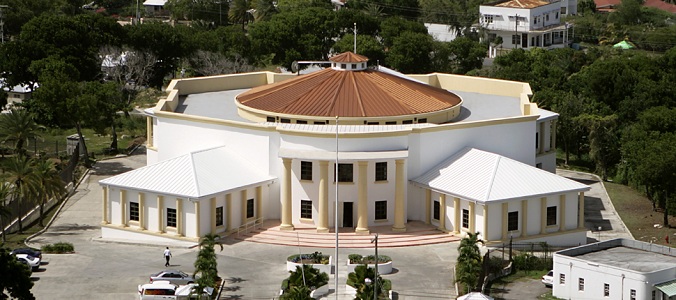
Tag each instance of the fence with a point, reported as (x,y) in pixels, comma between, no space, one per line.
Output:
(29,208)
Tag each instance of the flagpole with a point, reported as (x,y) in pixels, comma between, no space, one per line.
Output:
(335,274)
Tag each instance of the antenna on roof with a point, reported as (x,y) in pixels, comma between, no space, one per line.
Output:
(355,38)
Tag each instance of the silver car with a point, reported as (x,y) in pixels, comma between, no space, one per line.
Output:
(173,276)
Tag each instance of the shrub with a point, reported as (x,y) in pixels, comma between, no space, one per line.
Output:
(59,247)
(355,258)
(315,258)
(370,259)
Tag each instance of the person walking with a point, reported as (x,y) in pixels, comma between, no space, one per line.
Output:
(167,256)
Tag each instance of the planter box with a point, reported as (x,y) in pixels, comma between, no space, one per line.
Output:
(291,266)
(383,268)
(350,291)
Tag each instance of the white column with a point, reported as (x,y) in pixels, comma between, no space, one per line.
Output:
(123,208)
(442,212)
(104,218)
(142,211)
(362,195)
(286,196)
(580,207)
(160,214)
(179,217)
(399,207)
(323,224)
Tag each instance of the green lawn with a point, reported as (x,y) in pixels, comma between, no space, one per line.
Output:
(16,240)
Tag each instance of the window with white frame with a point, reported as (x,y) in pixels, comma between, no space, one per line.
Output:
(516,39)
(632,294)
(381,171)
(580,284)
(547,17)
(606,290)
(381,210)
(488,19)
(306,209)
(219,216)
(133,211)
(562,279)
(345,173)
(551,215)
(305,170)
(436,210)
(513,221)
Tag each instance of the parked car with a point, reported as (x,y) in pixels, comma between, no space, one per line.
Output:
(162,289)
(172,276)
(25,262)
(34,262)
(29,251)
(548,279)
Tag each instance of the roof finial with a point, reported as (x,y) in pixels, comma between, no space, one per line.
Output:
(355,38)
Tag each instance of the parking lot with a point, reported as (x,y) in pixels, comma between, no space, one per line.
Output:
(114,269)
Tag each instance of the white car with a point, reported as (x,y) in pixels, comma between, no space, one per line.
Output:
(34,262)
(548,279)
(162,289)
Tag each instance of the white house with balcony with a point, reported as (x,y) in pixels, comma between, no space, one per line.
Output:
(615,269)
(462,153)
(525,24)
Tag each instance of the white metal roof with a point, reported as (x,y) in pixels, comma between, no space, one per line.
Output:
(155,2)
(482,176)
(193,175)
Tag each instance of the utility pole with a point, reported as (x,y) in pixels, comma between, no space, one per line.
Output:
(375,278)
(138,12)
(355,38)
(2,23)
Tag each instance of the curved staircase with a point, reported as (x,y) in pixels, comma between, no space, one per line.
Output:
(416,234)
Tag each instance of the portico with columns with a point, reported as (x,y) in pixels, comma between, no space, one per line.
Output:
(372,188)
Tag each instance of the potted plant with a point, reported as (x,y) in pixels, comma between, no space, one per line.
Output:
(362,284)
(317,260)
(305,282)
(384,262)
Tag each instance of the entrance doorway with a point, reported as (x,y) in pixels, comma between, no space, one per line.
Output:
(347,214)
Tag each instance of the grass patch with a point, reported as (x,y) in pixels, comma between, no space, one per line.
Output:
(16,240)
(637,213)
(497,287)
(60,247)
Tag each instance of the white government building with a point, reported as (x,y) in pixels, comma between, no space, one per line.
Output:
(466,154)
(616,269)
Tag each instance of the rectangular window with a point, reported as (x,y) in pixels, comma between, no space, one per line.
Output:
(345,173)
(551,215)
(606,290)
(306,209)
(513,221)
(562,279)
(285,120)
(343,66)
(381,210)
(372,123)
(488,19)
(422,120)
(547,17)
(301,122)
(249,208)
(465,218)
(319,123)
(563,10)
(654,296)
(391,123)
(437,210)
(219,216)
(632,294)
(305,170)
(516,39)
(171,217)
(133,211)
(381,171)
(270,119)
(407,122)
(580,284)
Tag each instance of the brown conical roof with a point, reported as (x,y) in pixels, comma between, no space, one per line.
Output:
(349,57)
(365,93)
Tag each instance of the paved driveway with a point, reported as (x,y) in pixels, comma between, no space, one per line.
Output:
(112,270)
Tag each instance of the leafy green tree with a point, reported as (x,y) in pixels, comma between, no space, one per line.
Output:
(15,281)
(367,45)
(649,148)
(210,11)
(569,107)
(363,280)
(19,127)
(297,292)
(391,28)
(628,12)
(239,12)
(408,9)
(265,9)
(20,174)
(468,267)
(410,53)
(467,54)
(603,141)
(459,15)
(48,184)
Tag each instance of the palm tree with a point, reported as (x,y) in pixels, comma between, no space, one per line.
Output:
(468,268)
(359,280)
(18,126)
(20,174)
(48,183)
(206,264)
(238,12)
(4,211)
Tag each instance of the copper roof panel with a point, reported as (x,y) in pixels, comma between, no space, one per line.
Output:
(367,93)
(522,3)
(349,57)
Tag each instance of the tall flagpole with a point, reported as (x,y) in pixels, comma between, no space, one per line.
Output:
(335,274)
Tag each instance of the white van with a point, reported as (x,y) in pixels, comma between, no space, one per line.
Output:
(164,290)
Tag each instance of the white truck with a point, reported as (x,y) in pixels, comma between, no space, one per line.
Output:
(164,290)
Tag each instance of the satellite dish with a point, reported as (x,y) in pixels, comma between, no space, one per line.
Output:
(294,66)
